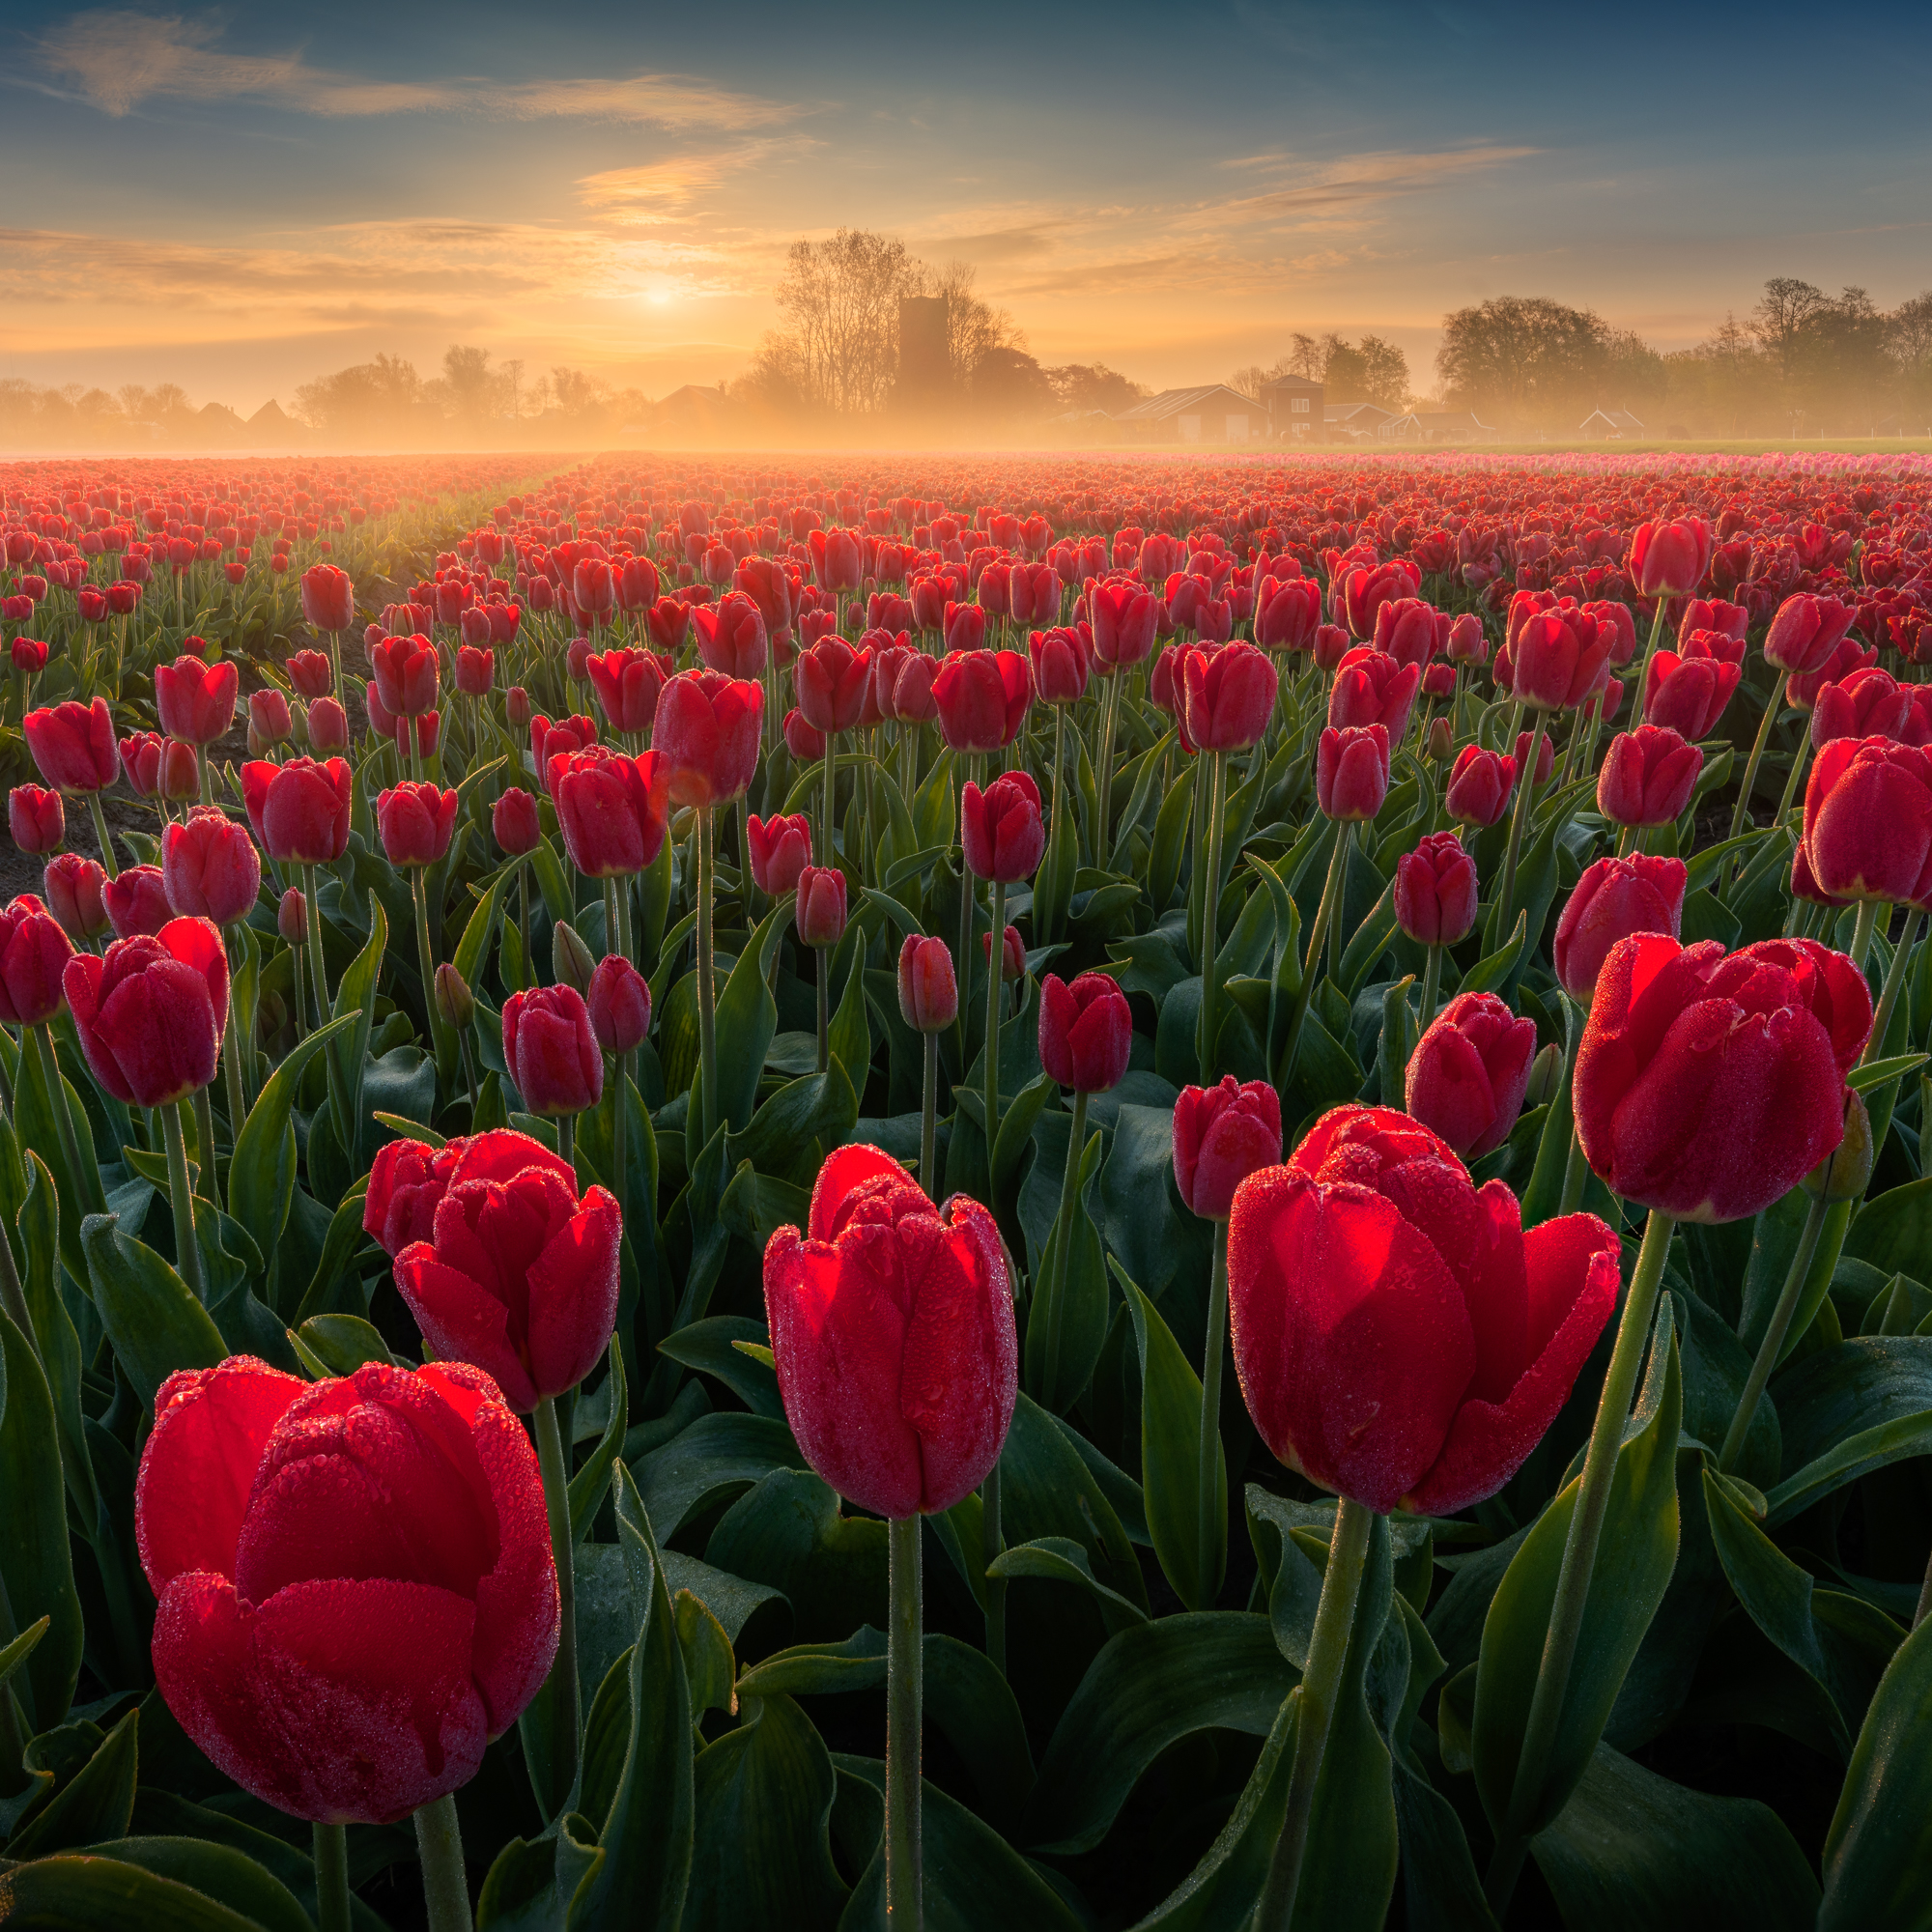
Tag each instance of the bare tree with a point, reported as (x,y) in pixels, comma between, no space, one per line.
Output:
(841,299)
(1781,312)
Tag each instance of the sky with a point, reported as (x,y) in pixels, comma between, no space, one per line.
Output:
(242,198)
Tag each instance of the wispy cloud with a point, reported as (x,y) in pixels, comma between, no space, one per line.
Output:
(117,59)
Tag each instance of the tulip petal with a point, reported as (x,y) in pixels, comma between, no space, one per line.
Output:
(463,1322)
(1572,1267)
(846,1169)
(573,1295)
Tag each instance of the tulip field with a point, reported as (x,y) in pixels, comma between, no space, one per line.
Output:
(1019,1192)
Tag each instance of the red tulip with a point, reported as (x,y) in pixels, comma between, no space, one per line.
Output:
(415,821)
(983,699)
(73,886)
(72,745)
(1648,777)
(830,679)
(593,590)
(1001,828)
(310,672)
(732,636)
(1012,953)
(620,1001)
(1706,1084)
(670,620)
(1708,614)
(475,666)
(137,901)
(1870,703)
(36,819)
(818,909)
(611,808)
(405,671)
(637,583)
(781,850)
(1124,618)
(1669,559)
(1399,1337)
(891,1324)
(707,734)
(1558,660)
(1612,899)
(1287,613)
(1410,631)
(1617,627)
(1086,1031)
(965,628)
(1545,754)
(328,598)
(1436,891)
(195,700)
(519,1276)
(1466,643)
(355,1577)
(1478,786)
(1058,658)
(327,726)
(1869,821)
(1229,695)
(1221,1135)
(1362,593)
(34,951)
(1801,690)
(513,822)
(1331,646)
(928,988)
(628,682)
(1805,632)
(1689,692)
(550,1051)
(300,810)
(1352,772)
(1468,1074)
(269,720)
(1371,688)
(151,1014)
(29,655)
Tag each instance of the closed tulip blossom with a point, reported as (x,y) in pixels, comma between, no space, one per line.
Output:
(892,1334)
(1805,631)
(611,808)
(781,850)
(1362,593)
(1287,614)
(416,822)
(1059,660)
(1669,559)
(1869,821)
(1648,777)
(309,672)
(1400,1338)
(300,810)
(1352,772)
(514,823)
(518,1275)
(551,1050)
(354,1580)
(1479,788)
(34,951)
(1708,1085)
(405,672)
(1870,703)
(72,745)
(1228,694)
(328,598)
(1124,618)
(1410,631)
(137,901)
(73,886)
(1615,898)
(1559,659)
(818,910)
(731,636)
(475,665)
(1012,953)
(152,1012)
(707,734)
(195,700)
(928,986)
(1371,688)
(36,819)
(1688,690)
(1221,1135)
(1467,1076)
(1086,1031)
(1467,643)
(1001,828)
(619,999)
(1802,690)
(1435,888)
(628,682)
(1710,614)
(983,699)
(830,678)
(268,720)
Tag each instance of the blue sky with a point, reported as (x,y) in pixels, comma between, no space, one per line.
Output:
(239,198)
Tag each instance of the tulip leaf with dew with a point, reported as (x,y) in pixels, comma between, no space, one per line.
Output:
(95,1804)
(1493,969)
(1066,1324)
(218,1872)
(1369,942)
(474,944)
(819,1670)
(109,1895)
(1170,832)
(1633,1848)
(261,1175)
(35,1564)
(850,1036)
(1841,1642)
(1149,1687)
(339,1248)
(1017,1120)
(336,1344)
(1876,1073)
(817,1107)
(152,1317)
(1556,1151)
(408,1129)
(1171,1459)
(38,1126)
(53,1335)
(719,1455)
(1636,1554)
(710,1668)
(748,1017)
(754,1206)
(729,1347)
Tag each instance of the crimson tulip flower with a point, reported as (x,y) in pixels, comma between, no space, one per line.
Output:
(628,681)
(1221,1135)
(1410,631)
(1435,895)
(36,819)
(152,1012)
(1086,1031)
(1228,694)
(610,809)
(1615,898)
(731,636)
(1467,1076)
(1125,617)
(1372,687)
(1060,662)
(1648,777)
(1869,821)
(328,598)
(781,850)
(620,1001)
(1689,689)
(137,901)
(1870,703)
(707,735)
(1287,613)
(1479,788)
(299,811)
(1352,772)
(415,821)
(73,886)
(1805,632)
(195,700)
(1001,829)
(551,1050)
(1669,559)
(928,986)
(34,951)
(983,699)
(72,745)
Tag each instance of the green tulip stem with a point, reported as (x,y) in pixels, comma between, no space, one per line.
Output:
(1103,776)
(1649,652)
(1217,786)
(1432,986)
(230,1061)
(1576,1171)
(825,815)
(1862,928)
(112,871)
(1763,738)
(928,1120)
(528,969)
(439,1847)
(1338,864)
(904,1887)
(70,1139)
(204,1134)
(181,1198)
(1579,1557)
(318,971)
(1771,1347)
(1210,1515)
(1044,937)
(441,1035)
(1063,1230)
(1525,784)
(1319,1692)
(996,984)
(707,984)
(555,1465)
(1800,758)
(331,1878)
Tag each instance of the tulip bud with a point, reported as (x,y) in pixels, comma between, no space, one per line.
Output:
(820,910)
(1440,743)
(571,961)
(1436,891)
(517,706)
(803,741)
(1843,1176)
(292,916)
(1012,953)
(929,989)
(328,728)
(36,819)
(620,1004)
(1546,1077)
(1221,1135)
(513,820)
(269,716)
(454,1000)
(72,888)
(1351,770)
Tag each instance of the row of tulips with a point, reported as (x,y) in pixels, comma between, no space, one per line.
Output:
(889,1030)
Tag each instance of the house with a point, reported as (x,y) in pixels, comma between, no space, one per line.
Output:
(271,427)
(695,411)
(1355,422)
(1296,410)
(1610,424)
(1437,426)
(1214,413)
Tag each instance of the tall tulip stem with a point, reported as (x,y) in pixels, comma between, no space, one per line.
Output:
(112,871)
(1069,1200)
(1525,784)
(1210,1514)
(318,973)
(1579,1557)
(707,987)
(904,1858)
(555,1466)
(1863,925)
(1771,1347)
(996,984)
(181,1198)
(204,1136)
(991,1544)
(1649,652)
(64,1128)
(1103,777)
(331,1878)
(1432,986)
(439,1847)
(824,979)
(1210,908)
(1772,707)
(928,1120)
(1319,1692)
(1338,864)
(1894,984)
